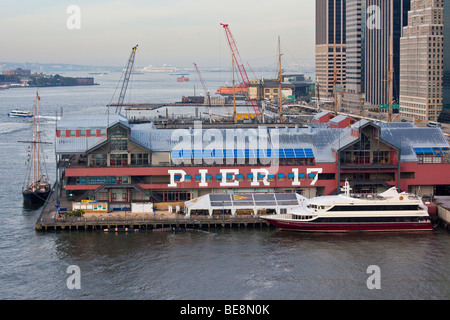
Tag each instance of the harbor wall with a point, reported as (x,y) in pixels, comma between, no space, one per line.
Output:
(444,215)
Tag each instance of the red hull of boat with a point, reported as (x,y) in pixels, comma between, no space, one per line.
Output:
(350,227)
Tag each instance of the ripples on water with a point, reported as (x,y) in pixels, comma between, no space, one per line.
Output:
(229,264)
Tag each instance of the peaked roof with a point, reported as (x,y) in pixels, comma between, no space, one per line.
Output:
(339,118)
(321,114)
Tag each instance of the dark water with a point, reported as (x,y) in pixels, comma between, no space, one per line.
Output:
(216,264)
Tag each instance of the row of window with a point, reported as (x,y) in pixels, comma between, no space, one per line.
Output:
(119,159)
(374,207)
(103,180)
(368,219)
(363,157)
(81,133)
(243,162)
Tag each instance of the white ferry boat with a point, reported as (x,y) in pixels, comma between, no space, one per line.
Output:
(20,113)
(387,211)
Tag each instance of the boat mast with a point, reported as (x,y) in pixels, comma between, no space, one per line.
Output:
(37,136)
(34,148)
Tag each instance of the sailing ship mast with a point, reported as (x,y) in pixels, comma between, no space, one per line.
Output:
(38,187)
(36,124)
(35,145)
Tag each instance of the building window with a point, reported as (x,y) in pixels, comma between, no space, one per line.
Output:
(173,196)
(120,159)
(139,159)
(381,157)
(98,160)
(118,145)
(118,139)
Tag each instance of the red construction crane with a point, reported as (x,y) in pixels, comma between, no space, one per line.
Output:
(240,65)
(201,79)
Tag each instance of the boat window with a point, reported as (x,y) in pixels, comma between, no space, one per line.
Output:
(301,217)
(375,207)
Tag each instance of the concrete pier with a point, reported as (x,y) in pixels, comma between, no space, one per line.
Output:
(443,210)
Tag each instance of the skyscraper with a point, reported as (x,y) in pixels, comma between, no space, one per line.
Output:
(445,114)
(330,38)
(421,66)
(355,67)
(382,38)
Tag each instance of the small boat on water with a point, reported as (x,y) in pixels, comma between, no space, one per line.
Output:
(239,89)
(20,113)
(182,79)
(37,187)
(387,211)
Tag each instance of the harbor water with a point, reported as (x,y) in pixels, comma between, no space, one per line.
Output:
(219,264)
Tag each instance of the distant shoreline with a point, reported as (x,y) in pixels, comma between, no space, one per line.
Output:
(4,86)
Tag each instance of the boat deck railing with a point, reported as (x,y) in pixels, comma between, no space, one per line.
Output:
(374,196)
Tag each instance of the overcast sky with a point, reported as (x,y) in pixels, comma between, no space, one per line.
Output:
(175,32)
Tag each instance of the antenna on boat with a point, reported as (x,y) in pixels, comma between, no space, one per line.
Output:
(346,189)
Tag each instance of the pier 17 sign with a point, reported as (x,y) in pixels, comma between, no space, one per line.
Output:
(230,177)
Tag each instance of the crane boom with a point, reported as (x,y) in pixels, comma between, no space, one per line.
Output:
(126,79)
(201,79)
(240,65)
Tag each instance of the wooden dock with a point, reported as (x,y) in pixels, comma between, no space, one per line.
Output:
(150,223)
(48,220)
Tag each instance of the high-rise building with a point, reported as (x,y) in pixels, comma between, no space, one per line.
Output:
(382,49)
(445,114)
(355,67)
(330,46)
(421,56)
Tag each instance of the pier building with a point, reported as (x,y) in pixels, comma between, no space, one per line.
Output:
(105,158)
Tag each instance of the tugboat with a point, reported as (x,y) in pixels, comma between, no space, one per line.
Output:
(37,187)
(182,79)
